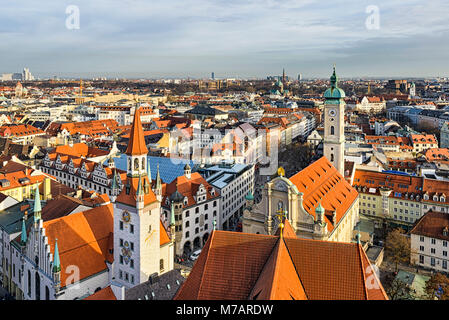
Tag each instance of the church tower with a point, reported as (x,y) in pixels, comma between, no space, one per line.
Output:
(334,125)
(136,217)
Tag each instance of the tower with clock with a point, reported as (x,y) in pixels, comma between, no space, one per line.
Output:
(334,124)
(137,250)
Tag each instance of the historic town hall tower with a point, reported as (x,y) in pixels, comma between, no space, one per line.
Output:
(334,124)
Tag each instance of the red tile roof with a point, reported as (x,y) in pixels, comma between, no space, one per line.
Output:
(321,183)
(103,294)
(83,240)
(240,266)
(432,225)
(136,145)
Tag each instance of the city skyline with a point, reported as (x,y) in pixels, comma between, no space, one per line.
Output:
(234,39)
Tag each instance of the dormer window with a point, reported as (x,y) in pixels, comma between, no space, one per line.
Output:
(426,197)
(435,198)
(442,199)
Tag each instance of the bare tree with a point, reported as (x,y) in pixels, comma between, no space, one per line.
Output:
(397,247)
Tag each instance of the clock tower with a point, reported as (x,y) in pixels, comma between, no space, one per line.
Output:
(137,251)
(334,125)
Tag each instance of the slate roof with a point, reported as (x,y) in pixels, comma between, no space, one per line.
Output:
(145,291)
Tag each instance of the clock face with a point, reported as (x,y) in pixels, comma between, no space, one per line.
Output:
(332,112)
(126,216)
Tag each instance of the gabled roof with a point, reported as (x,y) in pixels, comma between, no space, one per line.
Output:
(131,198)
(321,183)
(103,294)
(83,240)
(240,266)
(432,225)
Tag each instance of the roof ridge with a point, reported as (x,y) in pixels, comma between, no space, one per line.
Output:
(296,270)
(365,290)
(206,261)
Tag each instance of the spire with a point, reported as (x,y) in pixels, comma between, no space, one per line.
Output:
(172,217)
(139,188)
(136,145)
(334,79)
(23,237)
(114,181)
(149,170)
(37,204)
(158,178)
(56,262)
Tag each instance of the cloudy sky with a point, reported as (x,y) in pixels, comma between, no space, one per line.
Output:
(233,38)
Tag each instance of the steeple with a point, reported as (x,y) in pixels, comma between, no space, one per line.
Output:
(158,178)
(136,145)
(23,236)
(149,170)
(334,79)
(56,262)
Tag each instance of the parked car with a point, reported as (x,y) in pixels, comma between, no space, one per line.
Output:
(195,255)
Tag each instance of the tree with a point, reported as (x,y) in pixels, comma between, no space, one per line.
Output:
(399,290)
(397,247)
(437,286)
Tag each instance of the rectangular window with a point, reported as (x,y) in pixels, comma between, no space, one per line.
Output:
(433,241)
(421,239)
(432,262)
(444,243)
(421,248)
(131,228)
(432,250)
(444,264)
(121,225)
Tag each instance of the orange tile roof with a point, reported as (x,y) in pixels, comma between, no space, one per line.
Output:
(131,198)
(136,145)
(163,235)
(103,294)
(436,188)
(401,185)
(83,240)
(437,154)
(188,188)
(432,225)
(321,183)
(423,139)
(240,266)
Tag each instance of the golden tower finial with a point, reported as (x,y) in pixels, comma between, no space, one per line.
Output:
(281,215)
(281,172)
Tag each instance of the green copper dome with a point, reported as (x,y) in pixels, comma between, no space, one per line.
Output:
(334,92)
(319,209)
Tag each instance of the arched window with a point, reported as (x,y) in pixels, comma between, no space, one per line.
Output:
(38,287)
(142,164)
(136,164)
(29,283)
(332,130)
(47,293)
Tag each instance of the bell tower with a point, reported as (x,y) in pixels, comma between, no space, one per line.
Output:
(136,217)
(334,124)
